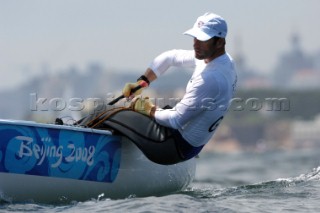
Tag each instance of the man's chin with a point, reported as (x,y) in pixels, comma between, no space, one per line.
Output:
(200,57)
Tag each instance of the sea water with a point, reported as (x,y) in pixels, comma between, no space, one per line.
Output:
(273,181)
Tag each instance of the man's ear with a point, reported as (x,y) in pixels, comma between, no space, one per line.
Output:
(221,42)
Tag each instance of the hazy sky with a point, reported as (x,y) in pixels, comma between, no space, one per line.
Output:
(128,34)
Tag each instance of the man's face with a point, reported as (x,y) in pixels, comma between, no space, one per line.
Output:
(206,49)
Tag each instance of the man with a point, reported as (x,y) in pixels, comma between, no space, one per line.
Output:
(208,93)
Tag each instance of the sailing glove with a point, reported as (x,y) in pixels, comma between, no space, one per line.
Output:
(127,90)
(143,106)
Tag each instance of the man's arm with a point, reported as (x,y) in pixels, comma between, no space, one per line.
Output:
(159,65)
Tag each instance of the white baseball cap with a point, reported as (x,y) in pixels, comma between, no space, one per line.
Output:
(208,26)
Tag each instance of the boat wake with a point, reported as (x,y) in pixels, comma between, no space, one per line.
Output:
(314,175)
(295,186)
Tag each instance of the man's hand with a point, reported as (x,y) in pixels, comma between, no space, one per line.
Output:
(144,106)
(127,89)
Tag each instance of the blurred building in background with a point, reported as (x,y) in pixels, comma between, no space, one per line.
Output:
(295,69)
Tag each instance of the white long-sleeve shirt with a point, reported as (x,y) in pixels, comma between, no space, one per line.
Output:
(207,96)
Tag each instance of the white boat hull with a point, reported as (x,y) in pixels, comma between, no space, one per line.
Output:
(136,176)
